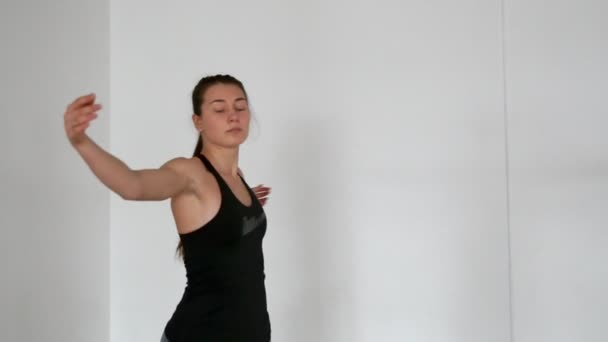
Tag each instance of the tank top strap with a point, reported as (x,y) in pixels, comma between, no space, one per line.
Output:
(213,171)
(224,188)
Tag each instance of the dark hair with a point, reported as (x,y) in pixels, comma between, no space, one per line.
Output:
(198,98)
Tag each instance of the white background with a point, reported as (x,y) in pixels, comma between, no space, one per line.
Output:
(556,53)
(436,176)
(54,216)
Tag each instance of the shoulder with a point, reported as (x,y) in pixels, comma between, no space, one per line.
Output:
(180,162)
(187,167)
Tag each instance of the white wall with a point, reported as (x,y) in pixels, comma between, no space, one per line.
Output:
(556,54)
(54,253)
(416,238)
(381,130)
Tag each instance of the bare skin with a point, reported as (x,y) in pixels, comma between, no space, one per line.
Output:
(194,192)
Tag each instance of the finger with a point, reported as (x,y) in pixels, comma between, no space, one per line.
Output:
(80,129)
(87,110)
(83,120)
(82,100)
(84,117)
(75,128)
(75,115)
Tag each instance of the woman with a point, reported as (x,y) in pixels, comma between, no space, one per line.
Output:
(219,219)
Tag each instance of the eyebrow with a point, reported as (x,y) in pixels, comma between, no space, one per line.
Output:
(222,100)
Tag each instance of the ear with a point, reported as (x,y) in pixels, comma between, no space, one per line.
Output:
(198,123)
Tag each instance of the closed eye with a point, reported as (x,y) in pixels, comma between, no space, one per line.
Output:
(223,110)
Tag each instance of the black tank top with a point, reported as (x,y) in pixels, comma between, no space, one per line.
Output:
(225,295)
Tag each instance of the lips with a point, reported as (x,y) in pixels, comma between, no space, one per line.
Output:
(233,130)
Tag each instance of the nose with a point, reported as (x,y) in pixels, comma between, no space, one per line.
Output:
(233,115)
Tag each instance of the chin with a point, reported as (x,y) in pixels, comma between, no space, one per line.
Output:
(237,140)
(233,143)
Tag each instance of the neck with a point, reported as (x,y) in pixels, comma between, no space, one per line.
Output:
(225,160)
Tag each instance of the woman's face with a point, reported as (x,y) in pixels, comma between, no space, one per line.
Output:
(225,116)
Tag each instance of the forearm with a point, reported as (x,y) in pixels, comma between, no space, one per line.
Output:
(111,171)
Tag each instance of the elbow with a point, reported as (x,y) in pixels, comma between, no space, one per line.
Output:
(128,196)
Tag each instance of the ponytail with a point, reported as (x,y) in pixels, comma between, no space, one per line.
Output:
(199,146)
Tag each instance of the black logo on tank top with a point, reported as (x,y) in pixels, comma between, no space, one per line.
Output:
(251,223)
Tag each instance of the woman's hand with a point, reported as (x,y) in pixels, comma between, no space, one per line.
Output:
(262,192)
(78,116)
